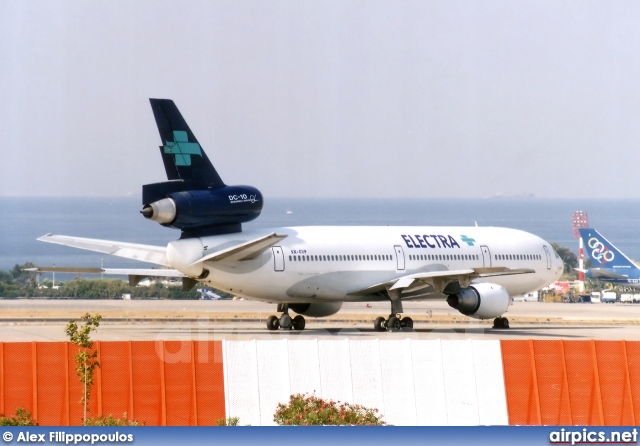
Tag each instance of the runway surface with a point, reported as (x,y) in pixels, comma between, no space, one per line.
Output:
(44,320)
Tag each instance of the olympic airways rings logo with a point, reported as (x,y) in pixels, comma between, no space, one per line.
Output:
(600,252)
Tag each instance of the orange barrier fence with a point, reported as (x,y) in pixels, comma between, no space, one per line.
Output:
(154,383)
(572,382)
(182,382)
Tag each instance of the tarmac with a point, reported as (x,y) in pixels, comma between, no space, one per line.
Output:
(25,320)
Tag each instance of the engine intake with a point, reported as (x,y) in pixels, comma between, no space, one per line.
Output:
(481,301)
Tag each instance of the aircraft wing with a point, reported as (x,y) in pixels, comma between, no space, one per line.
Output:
(143,253)
(598,273)
(438,280)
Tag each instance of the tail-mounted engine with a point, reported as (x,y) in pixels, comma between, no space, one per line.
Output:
(195,199)
(202,212)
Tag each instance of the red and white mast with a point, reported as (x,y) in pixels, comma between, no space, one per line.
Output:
(580,220)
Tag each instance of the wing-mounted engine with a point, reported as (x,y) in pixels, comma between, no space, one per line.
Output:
(195,199)
(481,301)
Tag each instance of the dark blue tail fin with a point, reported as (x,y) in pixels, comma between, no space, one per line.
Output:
(602,252)
(182,155)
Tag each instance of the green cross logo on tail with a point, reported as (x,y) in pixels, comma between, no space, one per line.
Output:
(468,240)
(182,149)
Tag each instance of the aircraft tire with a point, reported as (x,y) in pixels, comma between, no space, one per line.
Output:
(298,323)
(501,323)
(285,322)
(406,322)
(393,324)
(273,323)
(378,324)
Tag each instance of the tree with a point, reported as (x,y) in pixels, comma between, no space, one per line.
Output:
(569,259)
(86,361)
(22,277)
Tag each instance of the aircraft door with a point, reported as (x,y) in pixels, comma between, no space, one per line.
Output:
(548,254)
(486,256)
(399,257)
(278,258)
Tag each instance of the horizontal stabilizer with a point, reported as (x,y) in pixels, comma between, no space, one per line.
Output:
(143,272)
(134,251)
(244,251)
(135,274)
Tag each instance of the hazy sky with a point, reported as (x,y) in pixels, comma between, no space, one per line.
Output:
(326,98)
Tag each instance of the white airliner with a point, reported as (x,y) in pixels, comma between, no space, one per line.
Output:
(312,270)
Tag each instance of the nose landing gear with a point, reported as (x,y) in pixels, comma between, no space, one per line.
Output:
(285,321)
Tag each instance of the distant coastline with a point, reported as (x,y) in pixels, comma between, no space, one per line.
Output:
(118,218)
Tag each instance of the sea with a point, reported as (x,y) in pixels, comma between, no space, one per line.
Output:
(24,219)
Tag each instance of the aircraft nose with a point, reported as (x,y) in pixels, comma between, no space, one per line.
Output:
(559,268)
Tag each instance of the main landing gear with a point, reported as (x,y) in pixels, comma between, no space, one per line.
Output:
(394,322)
(501,323)
(285,321)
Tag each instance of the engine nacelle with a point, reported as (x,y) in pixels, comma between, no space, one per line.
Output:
(208,211)
(316,309)
(481,301)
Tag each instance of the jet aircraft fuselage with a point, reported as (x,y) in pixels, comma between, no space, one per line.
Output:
(313,270)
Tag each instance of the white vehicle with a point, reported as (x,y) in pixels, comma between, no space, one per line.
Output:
(608,297)
(313,270)
(627,298)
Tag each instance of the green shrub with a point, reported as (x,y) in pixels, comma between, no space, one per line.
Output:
(21,418)
(308,410)
(231,421)
(110,421)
